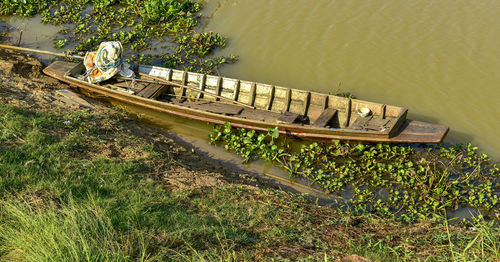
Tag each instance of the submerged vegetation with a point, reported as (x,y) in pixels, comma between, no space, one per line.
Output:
(137,24)
(388,180)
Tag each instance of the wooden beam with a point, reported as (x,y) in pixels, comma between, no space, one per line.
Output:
(288,99)
(251,96)
(184,82)
(236,91)
(348,112)
(382,112)
(218,89)
(325,102)
(271,97)
(202,85)
(169,74)
(306,103)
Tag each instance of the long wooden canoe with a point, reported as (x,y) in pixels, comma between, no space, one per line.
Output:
(251,105)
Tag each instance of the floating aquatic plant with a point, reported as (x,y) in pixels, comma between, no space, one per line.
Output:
(135,23)
(411,182)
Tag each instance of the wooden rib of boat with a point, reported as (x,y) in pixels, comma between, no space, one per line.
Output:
(250,105)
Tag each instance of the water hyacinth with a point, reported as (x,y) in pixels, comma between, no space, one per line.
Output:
(137,24)
(389,180)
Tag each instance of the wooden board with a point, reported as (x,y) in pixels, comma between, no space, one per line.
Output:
(152,91)
(212,107)
(377,124)
(72,98)
(412,131)
(288,118)
(359,123)
(370,124)
(260,115)
(59,68)
(137,86)
(325,117)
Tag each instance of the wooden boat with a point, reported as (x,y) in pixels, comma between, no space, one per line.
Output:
(250,105)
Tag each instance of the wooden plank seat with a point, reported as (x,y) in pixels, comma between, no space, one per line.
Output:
(370,123)
(288,118)
(325,117)
(152,91)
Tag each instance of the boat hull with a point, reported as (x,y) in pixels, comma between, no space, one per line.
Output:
(408,131)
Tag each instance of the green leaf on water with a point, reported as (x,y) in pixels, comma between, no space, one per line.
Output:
(275,133)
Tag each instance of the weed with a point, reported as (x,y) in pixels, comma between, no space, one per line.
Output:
(133,22)
(386,179)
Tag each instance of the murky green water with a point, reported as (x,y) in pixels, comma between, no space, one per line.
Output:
(34,33)
(437,58)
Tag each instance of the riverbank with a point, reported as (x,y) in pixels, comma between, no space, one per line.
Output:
(86,182)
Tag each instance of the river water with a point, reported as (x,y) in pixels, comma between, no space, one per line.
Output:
(439,59)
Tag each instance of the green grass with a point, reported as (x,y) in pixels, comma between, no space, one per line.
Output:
(64,198)
(84,209)
(57,232)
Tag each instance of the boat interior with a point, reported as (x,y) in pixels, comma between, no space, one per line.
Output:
(256,101)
